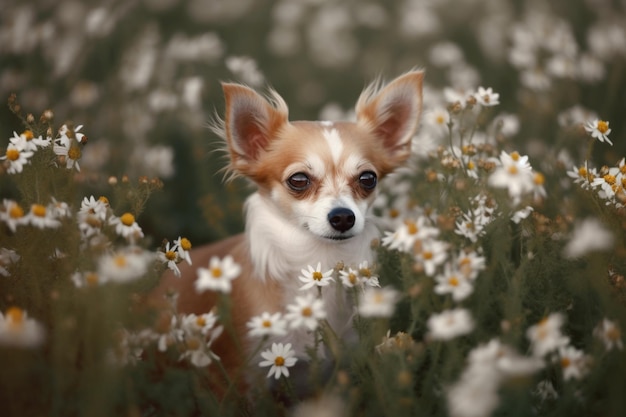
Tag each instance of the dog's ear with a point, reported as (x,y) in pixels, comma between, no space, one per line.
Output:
(392,113)
(251,122)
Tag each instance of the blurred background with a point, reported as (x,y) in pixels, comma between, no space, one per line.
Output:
(143,77)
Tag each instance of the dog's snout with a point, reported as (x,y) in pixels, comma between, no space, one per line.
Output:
(341,219)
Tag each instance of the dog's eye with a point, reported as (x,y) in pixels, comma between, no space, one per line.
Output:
(368,180)
(298,182)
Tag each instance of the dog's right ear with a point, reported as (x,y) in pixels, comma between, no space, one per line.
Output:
(251,122)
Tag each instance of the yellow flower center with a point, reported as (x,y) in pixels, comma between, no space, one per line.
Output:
(266,324)
(602,126)
(352,278)
(279,361)
(613,333)
(453,281)
(216,272)
(428,255)
(307,312)
(16,211)
(185,244)
(127,219)
(192,343)
(411,227)
(13,154)
(512,169)
(539,178)
(104,200)
(91,278)
(565,362)
(515,156)
(440,119)
(28,135)
(74,153)
(582,171)
(120,261)
(38,210)
(393,213)
(365,272)
(15,315)
(609,179)
(317,276)
(170,255)
(471,165)
(200,321)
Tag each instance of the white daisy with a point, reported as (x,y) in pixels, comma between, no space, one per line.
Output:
(450,324)
(315,277)
(280,358)
(28,142)
(169,256)
(305,312)
(513,173)
(124,265)
(589,235)
(378,302)
(367,276)
(546,335)
(70,154)
(183,246)
(349,277)
(267,325)
(18,330)
(408,233)
(487,97)
(218,275)
(127,227)
(199,323)
(599,129)
(430,254)
(453,282)
(12,214)
(41,217)
(198,350)
(610,334)
(16,158)
(574,362)
(98,208)
(470,264)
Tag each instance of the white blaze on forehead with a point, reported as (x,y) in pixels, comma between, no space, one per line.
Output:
(334,143)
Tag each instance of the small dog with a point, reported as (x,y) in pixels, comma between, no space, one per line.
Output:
(316,182)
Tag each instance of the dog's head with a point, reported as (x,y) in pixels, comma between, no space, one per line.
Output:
(322,176)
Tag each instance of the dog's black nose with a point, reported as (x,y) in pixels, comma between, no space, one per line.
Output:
(341,219)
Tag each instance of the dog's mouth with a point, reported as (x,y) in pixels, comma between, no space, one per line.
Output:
(335,237)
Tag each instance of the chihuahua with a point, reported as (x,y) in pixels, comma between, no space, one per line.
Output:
(316,181)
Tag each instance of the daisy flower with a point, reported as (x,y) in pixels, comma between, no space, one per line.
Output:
(408,233)
(218,275)
(267,325)
(305,312)
(546,335)
(16,158)
(521,214)
(67,134)
(168,332)
(41,217)
(470,264)
(92,207)
(169,256)
(199,323)
(589,235)
(366,275)
(378,302)
(610,334)
(349,278)
(599,129)
(126,226)
(183,246)
(573,362)
(124,265)
(18,330)
(280,358)
(486,97)
(85,279)
(70,154)
(12,214)
(583,175)
(28,142)
(430,254)
(513,173)
(450,324)
(315,277)
(198,350)
(453,282)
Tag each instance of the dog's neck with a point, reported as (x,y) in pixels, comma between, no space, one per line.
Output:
(279,249)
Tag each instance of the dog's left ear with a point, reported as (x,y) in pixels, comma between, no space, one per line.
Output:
(393,113)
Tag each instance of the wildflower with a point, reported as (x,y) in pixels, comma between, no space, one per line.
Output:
(408,233)
(92,207)
(583,175)
(12,214)
(126,226)
(470,228)
(168,332)
(453,282)
(430,254)
(349,278)
(28,142)
(18,330)
(66,134)
(610,334)
(437,119)
(183,246)
(16,158)
(280,358)
(608,183)
(521,214)
(219,275)
(588,236)
(7,257)
(71,153)
(124,265)
(170,257)
(305,312)
(486,97)
(59,209)
(315,277)
(469,264)
(450,324)
(513,173)
(198,350)
(378,302)
(546,335)
(87,278)
(42,218)
(199,323)
(267,325)
(599,129)
(573,362)
(366,275)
